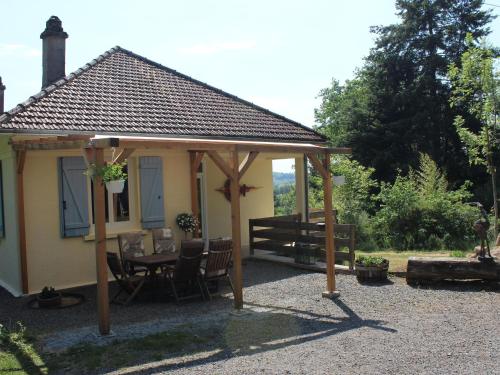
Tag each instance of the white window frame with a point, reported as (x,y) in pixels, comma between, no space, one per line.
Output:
(113,226)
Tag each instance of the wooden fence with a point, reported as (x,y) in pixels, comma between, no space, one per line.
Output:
(281,233)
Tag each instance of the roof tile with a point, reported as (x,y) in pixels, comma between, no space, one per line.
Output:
(123,93)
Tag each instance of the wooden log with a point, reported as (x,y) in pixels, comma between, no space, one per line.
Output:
(435,269)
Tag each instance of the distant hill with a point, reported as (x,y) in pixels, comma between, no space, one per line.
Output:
(282,178)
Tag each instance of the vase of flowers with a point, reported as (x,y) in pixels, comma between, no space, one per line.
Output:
(187,223)
(112,174)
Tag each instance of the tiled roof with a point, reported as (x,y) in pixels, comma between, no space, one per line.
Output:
(123,93)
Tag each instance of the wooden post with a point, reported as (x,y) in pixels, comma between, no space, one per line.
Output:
(329,231)
(236,230)
(194,190)
(100,247)
(21,158)
(195,159)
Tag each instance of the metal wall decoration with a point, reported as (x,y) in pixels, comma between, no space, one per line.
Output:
(226,189)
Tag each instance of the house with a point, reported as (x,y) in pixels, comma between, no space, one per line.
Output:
(182,140)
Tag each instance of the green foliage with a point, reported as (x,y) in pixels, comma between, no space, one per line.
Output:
(17,352)
(475,85)
(284,199)
(370,261)
(48,292)
(419,212)
(109,172)
(457,254)
(397,105)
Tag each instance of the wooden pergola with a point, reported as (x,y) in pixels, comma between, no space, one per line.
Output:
(234,169)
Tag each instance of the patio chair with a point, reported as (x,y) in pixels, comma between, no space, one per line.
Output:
(218,264)
(163,241)
(131,245)
(127,283)
(185,275)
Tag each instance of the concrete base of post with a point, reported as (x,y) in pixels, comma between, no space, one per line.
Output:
(330,295)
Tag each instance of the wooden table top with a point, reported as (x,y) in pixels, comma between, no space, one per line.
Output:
(153,259)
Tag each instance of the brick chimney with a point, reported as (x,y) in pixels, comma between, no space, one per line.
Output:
(2,89)
(54,51)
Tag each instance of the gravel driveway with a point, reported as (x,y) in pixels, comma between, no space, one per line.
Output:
(451,328)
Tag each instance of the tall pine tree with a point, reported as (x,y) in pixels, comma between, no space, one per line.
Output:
(406,93)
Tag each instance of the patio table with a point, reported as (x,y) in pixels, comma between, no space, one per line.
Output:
(153,262)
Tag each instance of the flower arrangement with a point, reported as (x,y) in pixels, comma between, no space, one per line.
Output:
(187,222)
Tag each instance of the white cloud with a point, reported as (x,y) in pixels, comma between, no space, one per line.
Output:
(216,47)
(18,50)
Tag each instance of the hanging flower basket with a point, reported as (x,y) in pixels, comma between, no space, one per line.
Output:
(112,174)
(115,187)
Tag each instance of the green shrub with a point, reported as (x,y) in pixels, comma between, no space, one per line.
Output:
(369,261)
(419,212)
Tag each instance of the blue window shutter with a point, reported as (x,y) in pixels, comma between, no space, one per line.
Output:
(2,228)
(73,196)
(151,176)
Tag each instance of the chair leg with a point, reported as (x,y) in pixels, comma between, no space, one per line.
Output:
(134,294)
(207,291)
(231,283)
(115,297)
(174,290)
(201,289)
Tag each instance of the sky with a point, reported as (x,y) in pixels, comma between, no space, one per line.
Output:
(277,54)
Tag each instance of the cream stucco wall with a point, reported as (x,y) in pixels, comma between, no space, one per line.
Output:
(10,271)
(257,203)
(67,262)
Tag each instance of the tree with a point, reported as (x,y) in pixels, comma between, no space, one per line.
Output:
(475,85)
(397,105)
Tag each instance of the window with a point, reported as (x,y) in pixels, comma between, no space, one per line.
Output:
(119,208)
(139,205)
(118,202)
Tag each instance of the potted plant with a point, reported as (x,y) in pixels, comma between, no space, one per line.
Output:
(112,175)
(371,268)
(187,222)
(49,297)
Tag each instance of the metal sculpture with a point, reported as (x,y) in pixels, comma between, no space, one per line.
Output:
(481,227)
(226,190)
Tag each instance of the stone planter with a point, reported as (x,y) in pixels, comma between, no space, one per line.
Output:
(366,274)
(46,303)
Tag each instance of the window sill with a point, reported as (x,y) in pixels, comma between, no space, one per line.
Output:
(111,235)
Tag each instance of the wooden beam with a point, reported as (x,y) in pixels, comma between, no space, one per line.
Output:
(21,221)
(219,161)
(194,163)
(21,158)
(246,163)
(318,166)
(199,158)
(100,248)
(89,156)
(123,155)
(236,231)
(329,231)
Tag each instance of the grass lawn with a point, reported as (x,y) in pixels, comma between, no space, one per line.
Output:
(18,352)
(398,260)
